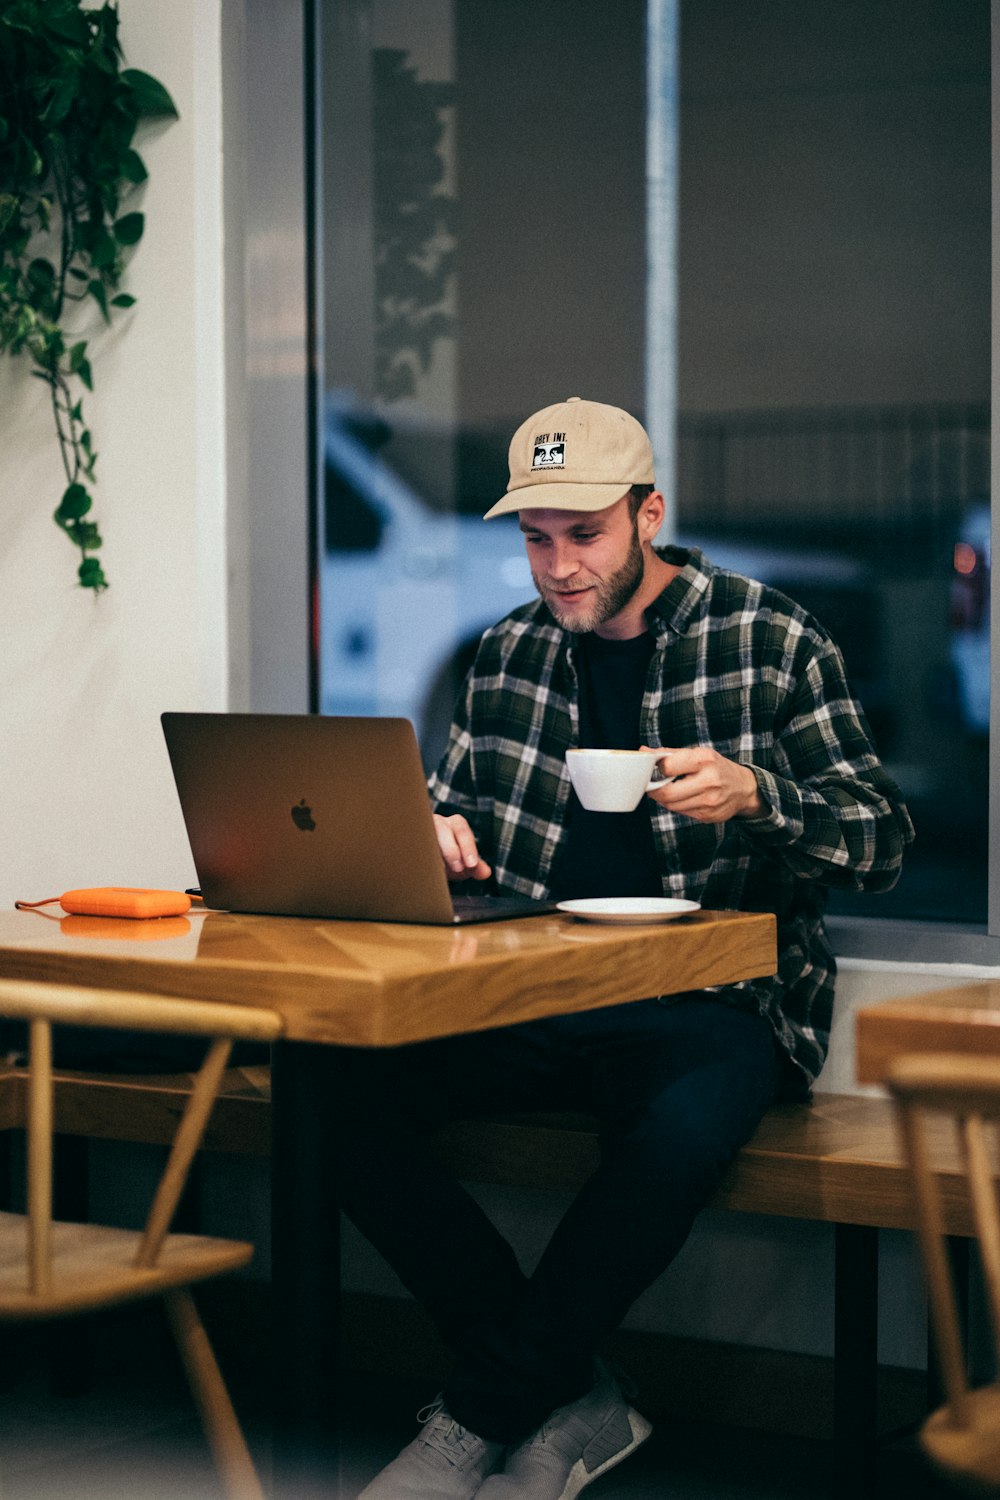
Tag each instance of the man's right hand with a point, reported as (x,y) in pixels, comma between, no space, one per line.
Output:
(457,843)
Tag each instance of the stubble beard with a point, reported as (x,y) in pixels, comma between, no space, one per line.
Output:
(607,597)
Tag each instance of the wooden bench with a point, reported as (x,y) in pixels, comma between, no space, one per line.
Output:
(834,1160)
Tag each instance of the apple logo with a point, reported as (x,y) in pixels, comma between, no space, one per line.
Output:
(302,816)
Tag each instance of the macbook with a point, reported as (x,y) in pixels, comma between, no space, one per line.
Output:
(307,815)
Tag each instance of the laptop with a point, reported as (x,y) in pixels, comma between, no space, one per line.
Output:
(314,816)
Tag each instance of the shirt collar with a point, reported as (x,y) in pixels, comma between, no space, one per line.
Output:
(684,596)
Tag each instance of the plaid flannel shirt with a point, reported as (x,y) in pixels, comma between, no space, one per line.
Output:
(737,666)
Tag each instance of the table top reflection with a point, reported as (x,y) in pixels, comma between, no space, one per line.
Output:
(380,983)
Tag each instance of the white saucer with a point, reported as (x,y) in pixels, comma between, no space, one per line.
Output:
(630,908)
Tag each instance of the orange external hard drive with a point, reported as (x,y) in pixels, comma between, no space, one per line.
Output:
(125,901)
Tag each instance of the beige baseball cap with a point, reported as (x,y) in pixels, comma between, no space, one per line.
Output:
(576,455)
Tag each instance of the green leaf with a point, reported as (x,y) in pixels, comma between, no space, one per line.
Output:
(103,251)
(132,167)
(85,374)
(149,95)
(123,300)
(42,273)
(91,575)
(76,359)
(86,535)
(75,503)
(128,229)
(64,96)
(71,26)
(100,296)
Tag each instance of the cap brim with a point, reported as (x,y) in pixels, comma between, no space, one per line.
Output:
(552,495)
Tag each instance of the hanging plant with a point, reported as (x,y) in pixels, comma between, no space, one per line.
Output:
(68,115)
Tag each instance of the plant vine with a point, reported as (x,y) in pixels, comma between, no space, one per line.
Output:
(68,116)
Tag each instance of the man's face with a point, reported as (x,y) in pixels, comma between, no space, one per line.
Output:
(587,565)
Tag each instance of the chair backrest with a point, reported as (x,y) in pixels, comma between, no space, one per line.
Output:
(43,1005)
(964,1437)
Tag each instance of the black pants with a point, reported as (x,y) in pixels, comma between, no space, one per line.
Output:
(678,1086)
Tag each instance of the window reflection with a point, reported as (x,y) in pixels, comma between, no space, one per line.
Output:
(485,243)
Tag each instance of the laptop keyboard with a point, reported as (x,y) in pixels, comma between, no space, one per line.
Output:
(484,907)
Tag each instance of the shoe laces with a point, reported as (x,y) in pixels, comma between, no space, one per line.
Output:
(446,1435)
(431,1410)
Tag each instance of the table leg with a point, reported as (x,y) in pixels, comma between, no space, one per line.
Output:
(305,1275)
(855,1397)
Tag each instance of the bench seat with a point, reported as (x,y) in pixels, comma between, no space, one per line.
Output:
(835,1159)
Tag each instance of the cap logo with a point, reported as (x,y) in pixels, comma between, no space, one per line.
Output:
(550,451)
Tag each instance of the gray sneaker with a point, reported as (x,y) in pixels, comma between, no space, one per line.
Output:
(573,1447)
(444,1462)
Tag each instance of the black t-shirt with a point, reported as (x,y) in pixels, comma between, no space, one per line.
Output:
(609,854)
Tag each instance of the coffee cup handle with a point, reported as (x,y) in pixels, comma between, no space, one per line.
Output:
(659,781)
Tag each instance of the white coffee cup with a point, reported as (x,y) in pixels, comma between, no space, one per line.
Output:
(612,780)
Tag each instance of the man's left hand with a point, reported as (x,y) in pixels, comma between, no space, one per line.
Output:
(707,786)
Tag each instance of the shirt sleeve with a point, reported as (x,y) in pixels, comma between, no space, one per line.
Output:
(832,810)
(451,785)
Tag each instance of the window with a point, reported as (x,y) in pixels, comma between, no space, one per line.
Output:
(784,269)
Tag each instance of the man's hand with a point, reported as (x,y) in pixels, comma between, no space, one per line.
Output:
(707,786)
(457,843)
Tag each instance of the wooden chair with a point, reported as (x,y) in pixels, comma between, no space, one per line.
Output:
(51,1270)
(962,1437)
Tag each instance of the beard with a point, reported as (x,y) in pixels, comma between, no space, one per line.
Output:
(606,597)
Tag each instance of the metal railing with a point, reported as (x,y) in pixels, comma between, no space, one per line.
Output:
(868,475)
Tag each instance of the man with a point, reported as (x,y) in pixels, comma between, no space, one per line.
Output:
(776,793)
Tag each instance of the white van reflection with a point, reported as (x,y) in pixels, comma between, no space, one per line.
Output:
(406,584)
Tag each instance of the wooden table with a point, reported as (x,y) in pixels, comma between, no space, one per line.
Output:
(963,1019)
(367,984)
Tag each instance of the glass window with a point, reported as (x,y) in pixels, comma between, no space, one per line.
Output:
(484,247)
(784,269)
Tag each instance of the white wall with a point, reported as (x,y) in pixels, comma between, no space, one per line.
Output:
(87,794)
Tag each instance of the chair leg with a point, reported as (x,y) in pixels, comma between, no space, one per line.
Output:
(71,1342)
(8,1358)
(959,1257)
(7,1139)
(225,1436)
